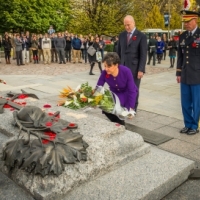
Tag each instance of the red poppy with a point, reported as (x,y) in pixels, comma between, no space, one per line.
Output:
(134,37)
(194,45)
(71,125)
(7,106)
(107,76)
(51,135)
(48,124)
(22,96)
(45,141)
(47,106)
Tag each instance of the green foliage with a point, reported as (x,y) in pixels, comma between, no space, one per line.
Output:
(104,17)
(109,47)
(33,15)
(155,18)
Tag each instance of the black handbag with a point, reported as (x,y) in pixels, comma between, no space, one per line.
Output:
(91,50)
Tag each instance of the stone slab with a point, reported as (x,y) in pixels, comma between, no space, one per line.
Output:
(10,191)
(110,146)
(187,191)
(151,137)
(150,177)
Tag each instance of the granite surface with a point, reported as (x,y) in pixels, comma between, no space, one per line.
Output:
(110,146)
(10,191)
(150,177)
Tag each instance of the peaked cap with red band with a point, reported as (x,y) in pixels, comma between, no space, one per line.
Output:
(188,15)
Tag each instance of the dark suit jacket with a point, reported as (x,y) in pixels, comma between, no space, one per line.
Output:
(188,63)
(134,54)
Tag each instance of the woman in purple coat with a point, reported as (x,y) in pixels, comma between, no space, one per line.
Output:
(120,80)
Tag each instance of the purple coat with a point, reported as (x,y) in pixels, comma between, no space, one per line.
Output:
(122,85)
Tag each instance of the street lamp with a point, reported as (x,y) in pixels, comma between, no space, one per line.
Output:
(169,11)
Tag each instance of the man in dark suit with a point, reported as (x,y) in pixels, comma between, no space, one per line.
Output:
(132,50)
(152,50)
(188,72)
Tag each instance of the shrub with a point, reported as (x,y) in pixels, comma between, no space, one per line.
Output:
(109,48)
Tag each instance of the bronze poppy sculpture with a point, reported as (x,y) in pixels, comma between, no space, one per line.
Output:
(55,144)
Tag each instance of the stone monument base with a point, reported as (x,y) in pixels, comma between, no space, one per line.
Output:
(120,164)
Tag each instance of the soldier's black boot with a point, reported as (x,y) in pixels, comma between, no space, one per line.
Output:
(91,68)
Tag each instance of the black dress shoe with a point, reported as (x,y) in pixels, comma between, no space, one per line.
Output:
(91,73)
(60,62)
(192,131)
(184,130)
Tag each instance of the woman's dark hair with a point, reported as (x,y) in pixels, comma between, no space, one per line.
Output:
(111,58)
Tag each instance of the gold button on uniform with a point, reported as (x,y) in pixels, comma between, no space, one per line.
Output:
(187,46)
(187,62)
(186,51)
(118,89)
(187,57)
(116,85)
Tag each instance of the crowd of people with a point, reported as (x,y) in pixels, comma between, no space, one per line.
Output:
(52,47)
(158,46)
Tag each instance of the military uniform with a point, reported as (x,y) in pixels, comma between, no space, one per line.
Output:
(188,68)
(152,50)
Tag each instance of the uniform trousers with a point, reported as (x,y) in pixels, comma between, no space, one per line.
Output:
(190,102)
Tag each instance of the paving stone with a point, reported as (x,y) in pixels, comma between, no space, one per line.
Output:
(187,191)
(178,124)
(170,131)
(195,155)
(145,124)
(179,147)
(163,119)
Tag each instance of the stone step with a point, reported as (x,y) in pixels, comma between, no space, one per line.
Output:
(150,177)
(10,191)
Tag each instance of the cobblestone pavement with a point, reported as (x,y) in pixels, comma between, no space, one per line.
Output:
(55,69)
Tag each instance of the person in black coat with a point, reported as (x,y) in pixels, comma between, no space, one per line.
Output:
(132,50)
(93,59)
(6,43)
(68,49)
(115,46)
(188,71)
(172,51)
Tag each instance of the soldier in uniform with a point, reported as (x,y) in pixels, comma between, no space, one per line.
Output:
(188,72)
(152,50)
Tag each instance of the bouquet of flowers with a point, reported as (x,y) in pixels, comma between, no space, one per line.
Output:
(84,96)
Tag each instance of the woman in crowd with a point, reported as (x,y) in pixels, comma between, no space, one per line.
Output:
(34,47)
(172,45)
(68,49)
(6,43)
(120,80)
(165,41)
(102,46)
(159,49)
(93,59)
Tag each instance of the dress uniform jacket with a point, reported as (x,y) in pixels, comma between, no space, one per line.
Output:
(188,64)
